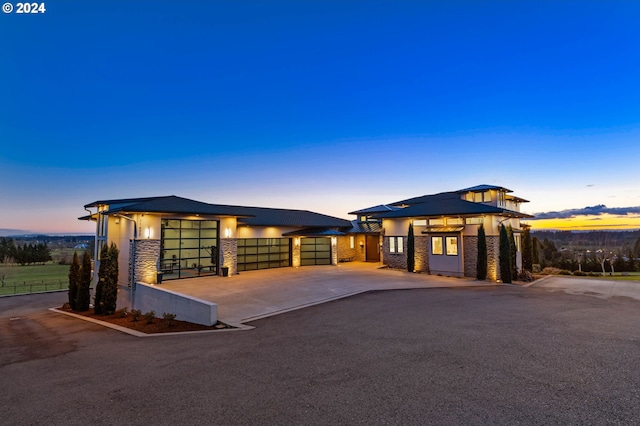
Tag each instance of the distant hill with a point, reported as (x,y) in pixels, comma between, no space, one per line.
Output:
(5,232)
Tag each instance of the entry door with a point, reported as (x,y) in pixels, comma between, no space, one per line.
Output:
(373,248)
(315,251)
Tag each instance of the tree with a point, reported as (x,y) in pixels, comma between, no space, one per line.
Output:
(536,250)
(84,292)
(74,282)
(512,253)
(411,261)
(636,247)
(98,304)
(481,265)
(110,289)
(505,256)
(527,250)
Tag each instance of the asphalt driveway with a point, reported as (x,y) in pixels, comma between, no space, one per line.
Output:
(486,355)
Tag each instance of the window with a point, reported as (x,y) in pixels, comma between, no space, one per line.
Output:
(477,197)
(487,196)
(396,245)
(436,245)
(468,196)
(436,222)
(518,242)
(420,222)
(455,221)
(474,221)
(452,246)
(352,241)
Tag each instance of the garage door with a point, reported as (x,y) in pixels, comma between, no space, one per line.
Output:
(315,251)
(263,253)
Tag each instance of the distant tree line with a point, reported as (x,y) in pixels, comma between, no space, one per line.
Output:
(23,254)
(597,256)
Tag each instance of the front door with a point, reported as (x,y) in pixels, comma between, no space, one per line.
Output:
(373,248)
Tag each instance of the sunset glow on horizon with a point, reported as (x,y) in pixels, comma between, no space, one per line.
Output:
(587,223)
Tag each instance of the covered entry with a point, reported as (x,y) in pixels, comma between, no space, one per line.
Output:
(315,251)
(373,248)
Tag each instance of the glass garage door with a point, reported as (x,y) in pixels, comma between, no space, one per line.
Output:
(263,253)
(189,248)
(315,251)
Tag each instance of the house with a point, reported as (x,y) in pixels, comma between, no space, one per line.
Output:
(446,229)
(170,237)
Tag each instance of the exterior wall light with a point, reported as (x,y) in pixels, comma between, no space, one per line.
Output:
(148,233)
(227,233)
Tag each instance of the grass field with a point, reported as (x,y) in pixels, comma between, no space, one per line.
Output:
(35,278)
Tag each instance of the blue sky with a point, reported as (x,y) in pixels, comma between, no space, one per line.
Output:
(328,106)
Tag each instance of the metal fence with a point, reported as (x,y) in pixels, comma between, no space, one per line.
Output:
(39,286)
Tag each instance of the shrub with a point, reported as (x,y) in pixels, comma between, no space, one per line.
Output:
(504,257)
(169,318)
(135,314)
(525,276)
(83,298)
(549,270)
(122,313)
(149,316)
(564,272)
(579,274)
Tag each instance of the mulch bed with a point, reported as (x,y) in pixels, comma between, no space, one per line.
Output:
(158,325)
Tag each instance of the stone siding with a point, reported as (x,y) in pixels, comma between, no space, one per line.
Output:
(493,254)
(345,251)
(421,245)
(147,256)
(229,255)
(470,252)
(394,260)
(295,252)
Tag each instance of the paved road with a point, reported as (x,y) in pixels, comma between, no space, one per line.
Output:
(591,287)
(503,355)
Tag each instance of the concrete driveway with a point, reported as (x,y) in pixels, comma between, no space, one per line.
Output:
(258,294)
(604,289)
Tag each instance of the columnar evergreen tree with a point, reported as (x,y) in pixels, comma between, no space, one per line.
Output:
(411,261)
(74,281)
(110,289)
(527,250)
(84,286)
(481,266)
(512,252)
(505,256)
(98,304)
(536,250)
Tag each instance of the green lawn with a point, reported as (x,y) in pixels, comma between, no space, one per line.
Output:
(629,276)
(35,278)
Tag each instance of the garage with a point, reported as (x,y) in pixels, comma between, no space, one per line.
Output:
(263,253)
(315,251)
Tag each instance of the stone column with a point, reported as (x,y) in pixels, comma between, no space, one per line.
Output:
(229,255)
(147,256)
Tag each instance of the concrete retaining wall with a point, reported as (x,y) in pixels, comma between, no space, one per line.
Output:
(151,298)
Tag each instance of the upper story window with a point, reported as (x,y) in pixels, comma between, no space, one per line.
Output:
(501,199)
(420,222)
(474,221)
(455,221)
(478,197)
(436,222)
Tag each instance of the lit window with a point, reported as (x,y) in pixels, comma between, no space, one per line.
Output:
(468,196)
(396,245)
(487,196)
(474,221)
(436,222)
(452,246)
(352,241)
(477,197)
(455,221)
(420,222)
(436,245)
